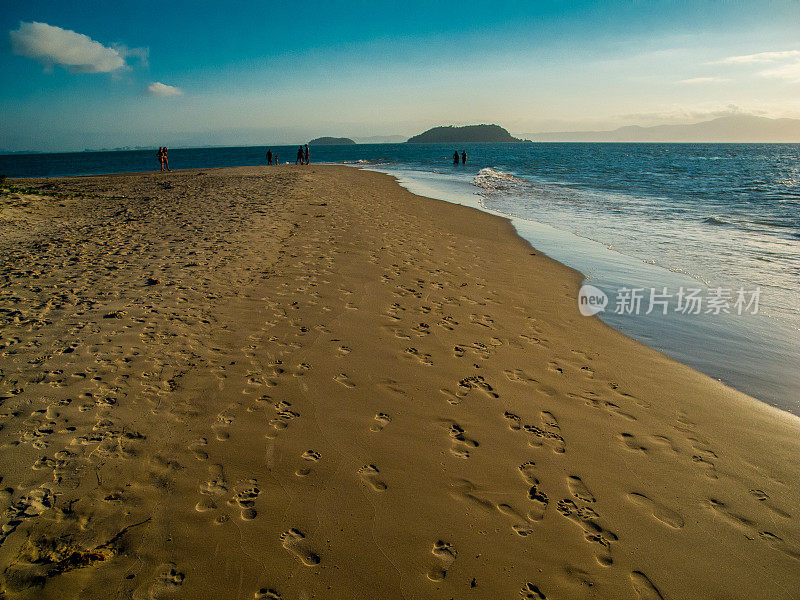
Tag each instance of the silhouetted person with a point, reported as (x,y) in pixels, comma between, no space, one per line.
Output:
(165,165)
(160,155)
(305,153)
(275,158)
(300,158)
(463,158)
(269,156)
(455,157)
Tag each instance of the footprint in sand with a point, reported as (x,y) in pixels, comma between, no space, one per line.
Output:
(220,428)
(644,588)
(344,380)
(301,369)
(449,323)
(446,554)
(422,357)
(779,544)
(371,476)
(659,511)
(762,496)
(197,448)
(310,456)
(535,495)
(665,442)
(393,387)
(295,542)
(522,530)
(549,432)
(594,533)
(422,329)
(631,443)
(245,498)
(476,382)
(704,456)
(283,416)
(578,489)
(267,594)
(591,399)
(216,483)
(167,583)
(751,528)
(530,591)
(587,519)
(514,421)
(616,388)
(465,386)
(482,320)
(615,409)
(381,421)
(205,504)
(555,368)
(685,424)
(519,376)
(532,339)
(461,443)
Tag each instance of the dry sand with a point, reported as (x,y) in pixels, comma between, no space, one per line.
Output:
(309,383)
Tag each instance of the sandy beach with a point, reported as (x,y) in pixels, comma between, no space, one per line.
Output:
(293,383)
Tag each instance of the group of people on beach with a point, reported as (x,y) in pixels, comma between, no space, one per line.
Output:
(163,159)
(302,155)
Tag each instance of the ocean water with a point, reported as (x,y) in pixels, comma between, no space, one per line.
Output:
(657,219)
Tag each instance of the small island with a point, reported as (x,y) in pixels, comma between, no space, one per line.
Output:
(331,141)
(467,133)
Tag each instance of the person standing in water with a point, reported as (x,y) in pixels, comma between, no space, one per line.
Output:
(269,156)
(463,157)
(455,157)
(305,154)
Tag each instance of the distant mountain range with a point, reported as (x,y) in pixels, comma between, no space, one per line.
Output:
(467,133)
(733,129)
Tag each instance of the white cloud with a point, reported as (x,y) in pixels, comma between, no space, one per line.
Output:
(162,90)
(760,57)
(75,52)
(783,64)
(789,71)
(704,80)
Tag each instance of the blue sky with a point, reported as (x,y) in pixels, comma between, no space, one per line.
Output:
(94,74)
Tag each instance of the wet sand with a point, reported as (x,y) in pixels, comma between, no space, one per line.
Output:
(307,382)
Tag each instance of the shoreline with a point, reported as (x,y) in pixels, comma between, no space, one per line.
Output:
(338,388)
(758,374)
(581,277)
